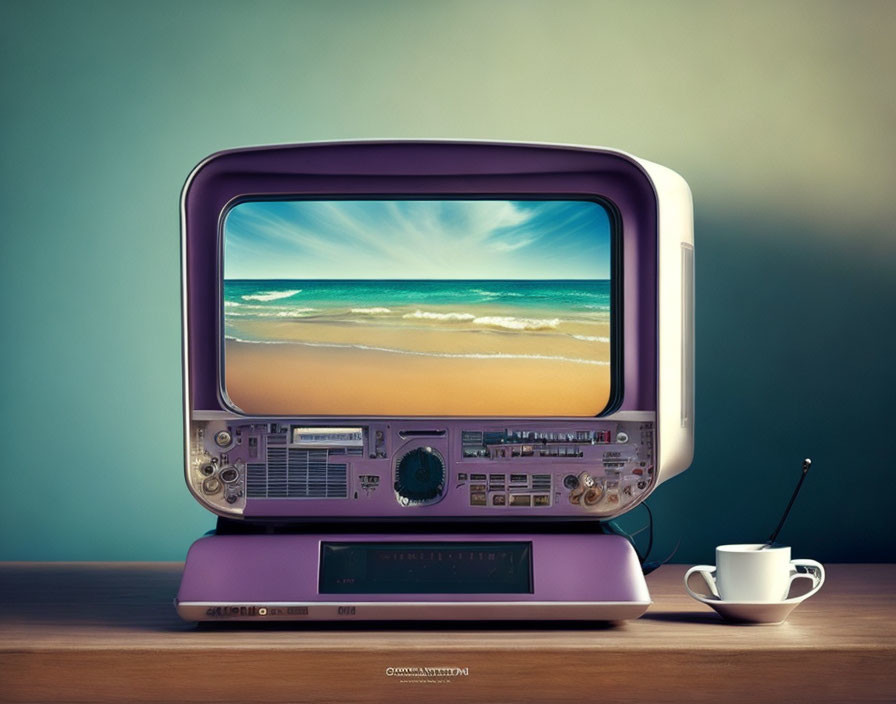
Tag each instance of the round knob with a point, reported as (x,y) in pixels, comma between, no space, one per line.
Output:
(223,438)
(229,475)
(592,495)
(420,476)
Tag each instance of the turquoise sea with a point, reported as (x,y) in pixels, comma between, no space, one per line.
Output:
(484,303)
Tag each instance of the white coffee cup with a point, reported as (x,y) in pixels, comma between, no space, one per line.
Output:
(755,573)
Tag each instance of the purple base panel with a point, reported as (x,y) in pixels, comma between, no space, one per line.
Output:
(526,462)
(277,577)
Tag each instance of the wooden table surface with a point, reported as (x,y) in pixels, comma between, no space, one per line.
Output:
(108,632)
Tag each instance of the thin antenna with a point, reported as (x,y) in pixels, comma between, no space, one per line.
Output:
(806,464)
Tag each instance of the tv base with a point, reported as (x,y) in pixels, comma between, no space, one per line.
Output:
(400,577)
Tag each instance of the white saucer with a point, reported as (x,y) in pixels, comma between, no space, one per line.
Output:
(753,611)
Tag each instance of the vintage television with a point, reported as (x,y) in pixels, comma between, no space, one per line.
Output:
(420,375)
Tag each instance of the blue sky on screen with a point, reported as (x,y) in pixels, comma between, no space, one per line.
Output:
(448,239)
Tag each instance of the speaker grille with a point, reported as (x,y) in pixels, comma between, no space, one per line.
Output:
(297,473)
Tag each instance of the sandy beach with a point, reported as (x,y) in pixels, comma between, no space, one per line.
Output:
(296,379)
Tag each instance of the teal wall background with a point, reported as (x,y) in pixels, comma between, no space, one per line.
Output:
(779,114)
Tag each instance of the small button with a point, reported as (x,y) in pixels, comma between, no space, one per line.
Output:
(478,498)
(499,499)
(223,438)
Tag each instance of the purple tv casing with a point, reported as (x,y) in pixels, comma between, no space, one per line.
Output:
(246,572)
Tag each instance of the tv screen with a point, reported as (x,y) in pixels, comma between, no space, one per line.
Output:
(417,307)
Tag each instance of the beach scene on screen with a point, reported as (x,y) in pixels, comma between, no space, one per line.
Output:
(417,307)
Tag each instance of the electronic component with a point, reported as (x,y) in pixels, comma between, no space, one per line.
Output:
(326,464)
(525,357)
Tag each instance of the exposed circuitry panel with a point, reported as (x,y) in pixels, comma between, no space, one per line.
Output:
(275,468)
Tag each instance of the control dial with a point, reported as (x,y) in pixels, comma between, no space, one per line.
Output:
(420,477)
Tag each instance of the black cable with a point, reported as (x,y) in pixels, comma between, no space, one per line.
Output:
(649,533)
(649,567)
(630,537)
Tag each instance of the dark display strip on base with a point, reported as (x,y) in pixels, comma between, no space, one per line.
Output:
(426,568)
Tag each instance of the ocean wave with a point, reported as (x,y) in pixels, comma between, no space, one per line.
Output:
(483,292)
(582,294)
(266,312)
(294,311)
(511,323)
(270,295)
(371,311)
(498,321)
(428,315)
(417,353)
(251,306)
(591,338)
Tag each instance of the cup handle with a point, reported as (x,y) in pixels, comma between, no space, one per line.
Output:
(706,571)
(815,573)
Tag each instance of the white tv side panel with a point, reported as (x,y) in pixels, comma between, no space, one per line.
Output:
(675,315)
